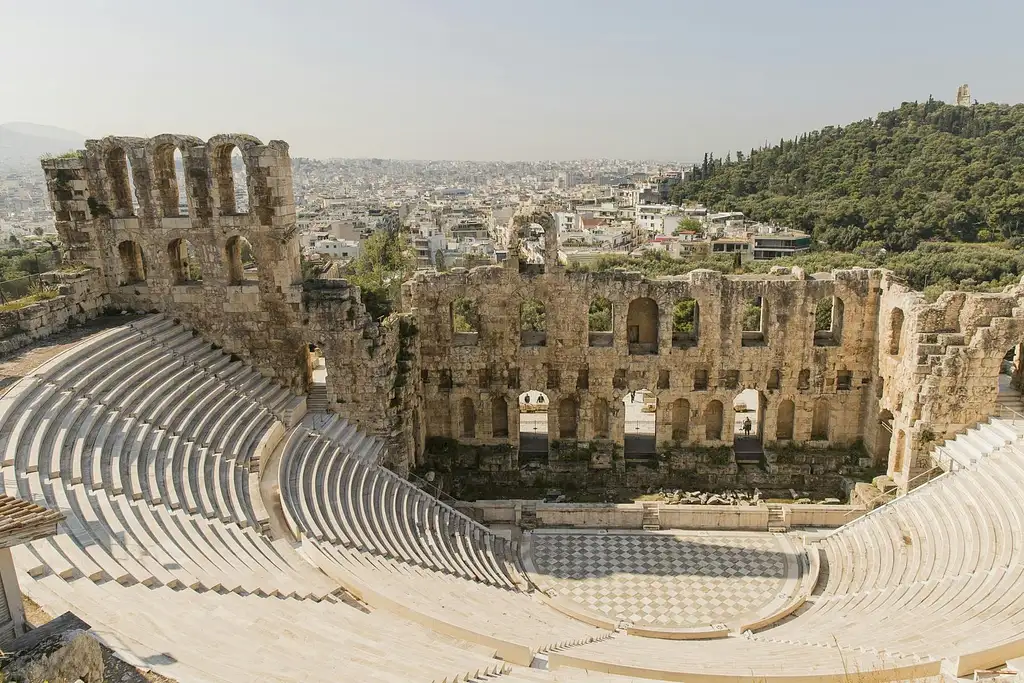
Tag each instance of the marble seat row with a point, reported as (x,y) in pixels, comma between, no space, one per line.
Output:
(341,496)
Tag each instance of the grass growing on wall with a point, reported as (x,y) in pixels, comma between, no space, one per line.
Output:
(34,297)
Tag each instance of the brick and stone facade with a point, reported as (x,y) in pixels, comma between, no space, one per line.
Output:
(892,361)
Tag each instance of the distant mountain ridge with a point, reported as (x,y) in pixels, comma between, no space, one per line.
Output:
(21,141)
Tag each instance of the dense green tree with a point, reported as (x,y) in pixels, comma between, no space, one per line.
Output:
(923,172)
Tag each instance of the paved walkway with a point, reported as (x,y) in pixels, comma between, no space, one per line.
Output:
(678,579)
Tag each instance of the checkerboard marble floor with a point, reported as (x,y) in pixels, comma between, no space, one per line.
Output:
(665,580)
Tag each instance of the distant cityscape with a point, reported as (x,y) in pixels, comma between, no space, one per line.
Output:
(459,214)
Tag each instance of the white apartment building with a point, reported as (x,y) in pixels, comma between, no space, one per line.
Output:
(337,248)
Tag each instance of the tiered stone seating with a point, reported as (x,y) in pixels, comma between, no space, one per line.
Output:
(115,433)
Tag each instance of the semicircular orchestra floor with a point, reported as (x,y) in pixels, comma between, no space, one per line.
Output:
(664,579)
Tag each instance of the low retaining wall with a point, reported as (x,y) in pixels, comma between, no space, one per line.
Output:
(81,298)
(630,515)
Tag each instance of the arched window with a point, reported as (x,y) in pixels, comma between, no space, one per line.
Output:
(753,322)
(465,322)
(680,419)
(601,421)
(820,420)
(169,171)
(567,418)
(499,417)
(642,326)
(599,322)
(122,184)
(685,323)
(713,421)
(186,267)
(784,421)
(532,323)
(828,322)
(133,263)
(241,261)
(896,331)
(467,412)
(231,179)
(774,381)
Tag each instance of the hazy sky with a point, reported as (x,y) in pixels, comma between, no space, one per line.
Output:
(483,79)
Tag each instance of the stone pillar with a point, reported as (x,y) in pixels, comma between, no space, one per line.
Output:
(15,626)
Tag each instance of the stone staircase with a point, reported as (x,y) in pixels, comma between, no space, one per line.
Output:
(316,399)
(652,517)
(528,515)
(971,446)
(776,518)
(748,450)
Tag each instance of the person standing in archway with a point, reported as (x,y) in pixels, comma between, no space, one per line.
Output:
(747,426)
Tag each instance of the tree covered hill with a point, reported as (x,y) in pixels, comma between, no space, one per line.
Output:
(925,171)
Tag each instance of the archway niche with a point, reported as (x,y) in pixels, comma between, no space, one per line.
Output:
(568,418)
(316,369)
(713,421)
(532,323)
(700,379)
(804,379)
(186,267)
(754,322)
(685,324)
(465,322)
(232,181)
(748,406)
(533,426)
(241,261)
(122,183)
(499,417)
(599,323)
(601,419)
(467,418)
(169,173)
(820,420)
(680,419)
(896,331)
(133,263)
(884,439)
(784,421)
(774,381)
(828,322)
(640,426)
(642,327)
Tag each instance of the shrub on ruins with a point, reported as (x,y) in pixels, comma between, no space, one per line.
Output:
(384,261)
(925,171)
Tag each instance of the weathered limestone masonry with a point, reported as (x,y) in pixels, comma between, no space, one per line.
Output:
(895,371)
(81,297)
(148,250)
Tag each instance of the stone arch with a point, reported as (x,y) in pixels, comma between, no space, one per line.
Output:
(533,426)
(467,418)
(713,420)
(599,322)
(122,183)
(241,261)
(685,323)
(828,321)
(680,419)
(532,323)
(169,174)
(642,326)
(640,426)
(784,420)
(231,172)
(186,266)
(748,404)
(133,263)
(568,419)
(820,420)
(896,319)
(465,321)
(601,418)
(499,417)
(315,364)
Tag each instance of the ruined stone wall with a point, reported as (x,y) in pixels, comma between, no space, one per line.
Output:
(784,363)
(117,211)
(81,297)
(939,368)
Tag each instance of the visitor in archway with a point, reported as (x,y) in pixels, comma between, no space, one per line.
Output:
(747,426)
